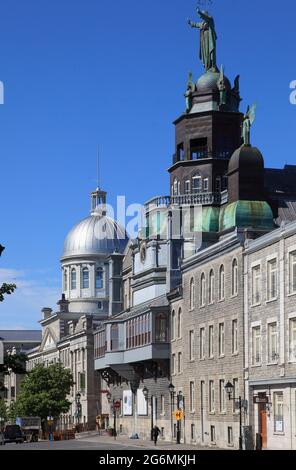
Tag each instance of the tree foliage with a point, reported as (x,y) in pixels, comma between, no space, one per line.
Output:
(14,363)
(7,289)
(3,411)
(44,392)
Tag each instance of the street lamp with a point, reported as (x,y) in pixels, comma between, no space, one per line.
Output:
(145,392)
(229,390)
(180,406)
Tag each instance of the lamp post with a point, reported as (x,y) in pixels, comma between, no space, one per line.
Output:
(229,390)
(78,410)
(180,406)
(146,393)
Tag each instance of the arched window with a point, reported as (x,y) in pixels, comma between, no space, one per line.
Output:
(73,279)
(234,283)
(99,278)
(179,326)
(192,296)
(221,283)
(161,328)
(65,280)
(211,287)
(202,290)
(85,278)
(173,325)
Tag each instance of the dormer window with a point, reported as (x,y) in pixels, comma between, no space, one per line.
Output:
(85,278)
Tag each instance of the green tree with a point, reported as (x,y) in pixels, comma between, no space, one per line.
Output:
(3,412)
(5,288)
(15,363)
(44,392)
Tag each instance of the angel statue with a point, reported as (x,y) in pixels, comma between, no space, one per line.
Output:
(208,38)
(248,120)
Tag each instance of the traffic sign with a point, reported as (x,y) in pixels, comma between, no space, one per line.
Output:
(178,414)
(117,404)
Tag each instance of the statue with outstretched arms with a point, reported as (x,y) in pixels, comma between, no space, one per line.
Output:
(208,39)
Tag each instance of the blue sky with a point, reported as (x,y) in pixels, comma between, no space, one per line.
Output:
(78,73)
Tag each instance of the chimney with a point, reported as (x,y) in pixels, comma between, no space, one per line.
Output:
(46,312)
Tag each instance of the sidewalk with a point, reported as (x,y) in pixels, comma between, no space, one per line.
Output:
(126,441)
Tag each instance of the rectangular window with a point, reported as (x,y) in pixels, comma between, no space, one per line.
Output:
(230,436)
(256,345)
(234,336)
(179,362)
(221,339)
(292,273)
(278,400)
(211,341)
(191,345)
(202,343)
(292,339)
(272,342)
(211,396)
(222,405)
(192,397)
(206,185)
(272,279)
(173,364)
(256,285)
(196,184)
(213,435)
(187,187)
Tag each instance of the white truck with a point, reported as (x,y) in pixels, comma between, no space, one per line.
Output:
(30,426)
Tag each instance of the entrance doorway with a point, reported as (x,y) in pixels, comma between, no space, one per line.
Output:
(263,424)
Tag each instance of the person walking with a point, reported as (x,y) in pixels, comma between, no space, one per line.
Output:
(155,434)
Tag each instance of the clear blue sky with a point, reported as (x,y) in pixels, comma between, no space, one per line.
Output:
(82,72)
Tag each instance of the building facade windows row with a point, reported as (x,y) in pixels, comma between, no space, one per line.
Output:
(207,342)
(272,342)
(217,399)
(138,331)
(207,294)
(197,184)
(271,279)
(84,279)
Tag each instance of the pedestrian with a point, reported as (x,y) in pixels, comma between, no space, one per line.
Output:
(155,434)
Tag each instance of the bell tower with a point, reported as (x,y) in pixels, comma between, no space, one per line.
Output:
(209,130)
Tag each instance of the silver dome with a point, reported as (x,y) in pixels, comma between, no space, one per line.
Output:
(97,234)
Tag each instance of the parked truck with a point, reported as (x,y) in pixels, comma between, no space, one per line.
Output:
(30,426)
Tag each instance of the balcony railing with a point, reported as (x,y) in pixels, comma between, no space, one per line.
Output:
(204,152)
(196,199)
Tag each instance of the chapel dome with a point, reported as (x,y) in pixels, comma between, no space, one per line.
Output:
(208,82)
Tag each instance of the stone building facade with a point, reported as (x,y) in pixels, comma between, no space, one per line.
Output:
(270,336)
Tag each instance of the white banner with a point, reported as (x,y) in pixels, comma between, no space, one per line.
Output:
(127,403)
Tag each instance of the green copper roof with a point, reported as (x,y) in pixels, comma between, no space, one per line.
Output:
(245,214)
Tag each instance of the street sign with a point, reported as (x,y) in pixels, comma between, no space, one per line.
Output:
(178,414)
(117,404)
(257,400)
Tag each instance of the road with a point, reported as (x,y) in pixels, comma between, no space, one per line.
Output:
(81,444)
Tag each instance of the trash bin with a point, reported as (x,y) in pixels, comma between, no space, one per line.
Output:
(258,441)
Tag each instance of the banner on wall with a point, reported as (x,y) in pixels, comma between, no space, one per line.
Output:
(142,405)
(127,403)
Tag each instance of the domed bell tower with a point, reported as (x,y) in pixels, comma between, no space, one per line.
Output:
(209,130)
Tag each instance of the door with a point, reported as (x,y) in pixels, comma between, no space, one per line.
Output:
(263,419)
